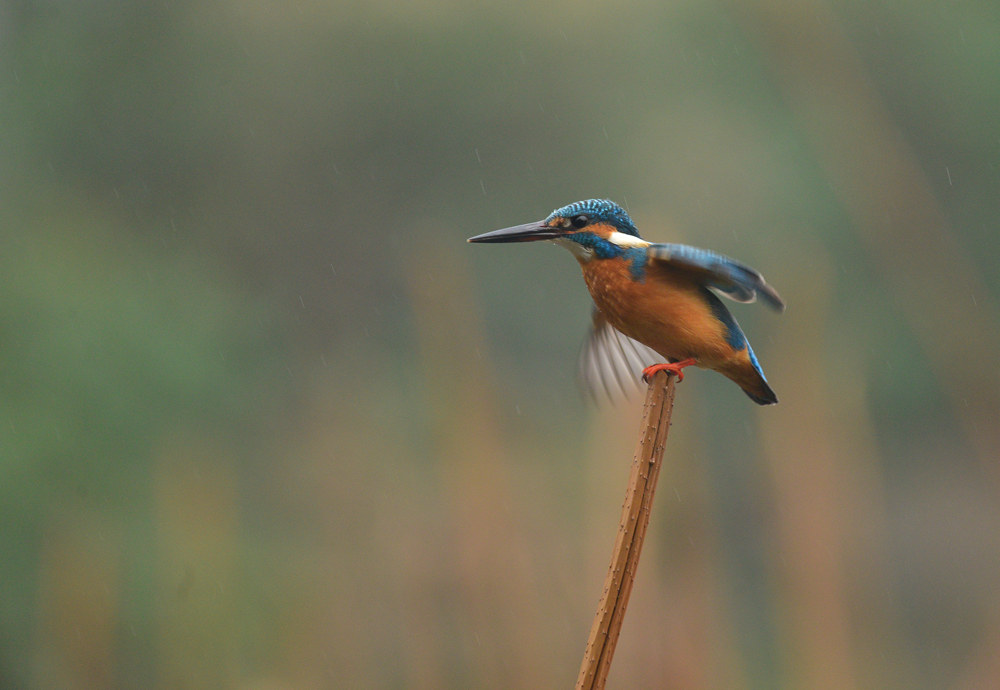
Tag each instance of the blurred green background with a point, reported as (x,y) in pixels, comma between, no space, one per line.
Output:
(266,421)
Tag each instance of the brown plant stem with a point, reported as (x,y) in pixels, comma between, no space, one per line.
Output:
(631,533)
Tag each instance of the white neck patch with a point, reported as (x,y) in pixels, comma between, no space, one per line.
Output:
(584,254)
(625,240)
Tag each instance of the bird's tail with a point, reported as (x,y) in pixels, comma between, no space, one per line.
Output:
(748,376)
(760,392)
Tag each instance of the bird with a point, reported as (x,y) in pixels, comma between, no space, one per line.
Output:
(652,302)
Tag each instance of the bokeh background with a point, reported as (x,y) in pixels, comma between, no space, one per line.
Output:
(266,421)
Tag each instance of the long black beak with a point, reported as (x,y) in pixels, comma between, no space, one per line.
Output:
(529,232)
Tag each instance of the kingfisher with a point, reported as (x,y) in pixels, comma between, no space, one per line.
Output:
(652,302)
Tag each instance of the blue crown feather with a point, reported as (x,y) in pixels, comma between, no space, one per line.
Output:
(601,211)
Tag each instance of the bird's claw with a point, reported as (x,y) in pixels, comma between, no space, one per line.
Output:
(669,367)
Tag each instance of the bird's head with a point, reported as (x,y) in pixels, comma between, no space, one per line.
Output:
(579,226)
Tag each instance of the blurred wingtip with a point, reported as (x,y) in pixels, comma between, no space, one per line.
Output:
(611,363)
(771,297)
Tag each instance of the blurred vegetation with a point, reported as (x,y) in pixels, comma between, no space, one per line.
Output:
(267,421)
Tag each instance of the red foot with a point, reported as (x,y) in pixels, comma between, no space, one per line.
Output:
(669,367)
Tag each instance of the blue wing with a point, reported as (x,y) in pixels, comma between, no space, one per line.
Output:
(734,280)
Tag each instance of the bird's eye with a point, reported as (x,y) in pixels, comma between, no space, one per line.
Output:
(579,221)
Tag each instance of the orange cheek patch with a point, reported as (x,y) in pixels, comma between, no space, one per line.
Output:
(602,230)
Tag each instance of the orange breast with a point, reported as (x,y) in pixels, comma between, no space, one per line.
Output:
(665,311)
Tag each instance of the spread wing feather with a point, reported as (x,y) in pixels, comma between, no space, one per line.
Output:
(730,277)
(611,363)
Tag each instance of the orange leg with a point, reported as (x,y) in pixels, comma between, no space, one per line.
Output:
(670,367)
